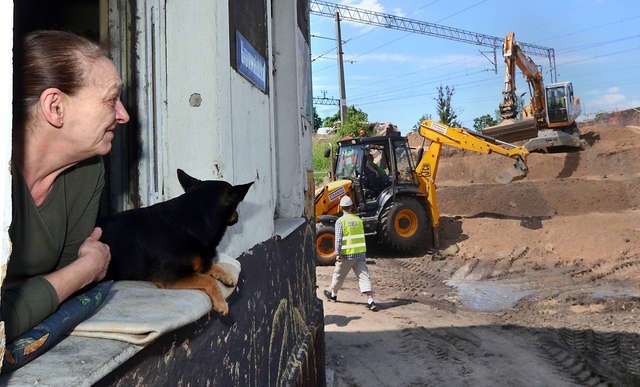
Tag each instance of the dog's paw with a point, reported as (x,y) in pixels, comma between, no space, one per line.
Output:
(221,307)
(228,281)
(219,273)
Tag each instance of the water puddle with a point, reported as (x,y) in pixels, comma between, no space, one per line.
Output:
(489,296)
(617,292)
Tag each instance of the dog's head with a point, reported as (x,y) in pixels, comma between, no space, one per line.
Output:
(213,206)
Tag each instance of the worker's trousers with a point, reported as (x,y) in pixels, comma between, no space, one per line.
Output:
(359,267)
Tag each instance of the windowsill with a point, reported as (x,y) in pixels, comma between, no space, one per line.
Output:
(75,361)
(285,226)
(133,316)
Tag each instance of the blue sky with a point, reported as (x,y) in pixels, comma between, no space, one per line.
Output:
(393,75)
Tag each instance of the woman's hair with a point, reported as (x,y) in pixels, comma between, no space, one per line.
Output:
(47,59)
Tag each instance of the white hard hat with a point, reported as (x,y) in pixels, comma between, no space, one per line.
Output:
(346,201)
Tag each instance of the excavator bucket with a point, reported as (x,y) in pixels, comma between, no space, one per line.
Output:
(518,171)
(513,130)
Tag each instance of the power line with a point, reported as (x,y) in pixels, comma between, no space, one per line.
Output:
(418,85)
(591,28)
(462,10)
(359,15)
(600,44)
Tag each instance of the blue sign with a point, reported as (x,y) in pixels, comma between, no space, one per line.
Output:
(250,63)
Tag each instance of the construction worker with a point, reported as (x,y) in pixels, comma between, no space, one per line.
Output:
(350,248)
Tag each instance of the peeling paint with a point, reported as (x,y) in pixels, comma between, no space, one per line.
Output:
(185,347)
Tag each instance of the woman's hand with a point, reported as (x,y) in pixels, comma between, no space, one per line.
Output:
(95,255)
(91,265)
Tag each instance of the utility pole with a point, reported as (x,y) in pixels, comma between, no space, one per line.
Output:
(343,97)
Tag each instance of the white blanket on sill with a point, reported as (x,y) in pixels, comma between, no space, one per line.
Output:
(138,312)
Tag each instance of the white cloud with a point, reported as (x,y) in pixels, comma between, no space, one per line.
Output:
(399,12)
(370,5)
(608,101)
(613,90)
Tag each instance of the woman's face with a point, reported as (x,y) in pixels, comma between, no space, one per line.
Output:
(94,111)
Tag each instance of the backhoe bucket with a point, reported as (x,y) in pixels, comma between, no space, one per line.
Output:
(518,171)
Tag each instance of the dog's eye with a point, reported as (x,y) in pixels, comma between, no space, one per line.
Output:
(233,219)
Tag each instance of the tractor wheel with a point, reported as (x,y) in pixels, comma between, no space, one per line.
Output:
(405,225)
(325,245)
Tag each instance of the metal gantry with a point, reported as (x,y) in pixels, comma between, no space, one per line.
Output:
(326,101)
(359,15)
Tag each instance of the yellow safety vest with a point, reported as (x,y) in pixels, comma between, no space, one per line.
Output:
(353,241)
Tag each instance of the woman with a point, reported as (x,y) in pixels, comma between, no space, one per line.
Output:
(66,108)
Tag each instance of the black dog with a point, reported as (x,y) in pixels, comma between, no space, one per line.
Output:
(173,243)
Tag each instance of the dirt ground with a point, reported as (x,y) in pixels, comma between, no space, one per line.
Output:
(536,282)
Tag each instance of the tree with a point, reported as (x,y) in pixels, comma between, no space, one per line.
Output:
(317,121)
(446,114)
(415,127)
(353,115)
(484,121)
(356,120)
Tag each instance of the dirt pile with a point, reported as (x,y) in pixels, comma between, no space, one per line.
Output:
(579,205)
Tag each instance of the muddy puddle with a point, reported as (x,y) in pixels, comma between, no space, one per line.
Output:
(622,291)
(489,296)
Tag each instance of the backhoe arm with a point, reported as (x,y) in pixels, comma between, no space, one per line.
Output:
(440,134)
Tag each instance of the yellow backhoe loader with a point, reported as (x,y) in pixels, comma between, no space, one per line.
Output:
(394,192)
(548,122)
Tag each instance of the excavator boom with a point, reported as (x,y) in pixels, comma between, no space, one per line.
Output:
(515,57)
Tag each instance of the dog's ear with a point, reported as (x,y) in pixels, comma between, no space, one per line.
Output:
(238,192)
(187,182)
(234,196)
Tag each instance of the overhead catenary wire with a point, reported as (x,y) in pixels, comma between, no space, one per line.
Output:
(376,98)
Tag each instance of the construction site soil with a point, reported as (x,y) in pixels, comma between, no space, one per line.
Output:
(536,282)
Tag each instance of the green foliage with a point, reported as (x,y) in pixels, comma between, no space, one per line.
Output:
(321,164)
(351,128)
(353,115)
(446,114)
(497,117)
(415,127)
(317,121)
(356,121)
(328,122)
(484,121)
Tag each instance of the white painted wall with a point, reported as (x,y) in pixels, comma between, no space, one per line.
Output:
(214,124)
(228,136)
(6,79)
(286,90)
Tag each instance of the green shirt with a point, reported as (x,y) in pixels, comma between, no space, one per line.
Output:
(46,238)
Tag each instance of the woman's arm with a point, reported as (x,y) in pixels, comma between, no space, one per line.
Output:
(91,265)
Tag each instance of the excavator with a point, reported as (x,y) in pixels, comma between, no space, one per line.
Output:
(394,189)
(549,121)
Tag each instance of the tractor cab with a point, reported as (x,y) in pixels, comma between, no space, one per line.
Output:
(375,166)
